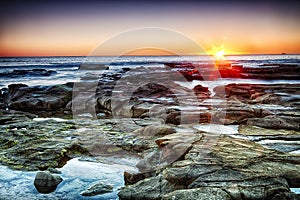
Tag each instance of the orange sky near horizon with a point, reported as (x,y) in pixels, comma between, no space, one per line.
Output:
(77,30)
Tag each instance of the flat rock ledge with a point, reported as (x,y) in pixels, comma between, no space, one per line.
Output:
(233,169)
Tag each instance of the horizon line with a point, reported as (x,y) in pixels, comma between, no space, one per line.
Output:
(240,54)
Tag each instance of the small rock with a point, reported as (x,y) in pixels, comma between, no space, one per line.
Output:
(156,130)
(45,182)
(131,178)
(98,188)
(54,171)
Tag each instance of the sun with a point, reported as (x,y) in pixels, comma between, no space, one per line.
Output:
(218,52)
(219,55)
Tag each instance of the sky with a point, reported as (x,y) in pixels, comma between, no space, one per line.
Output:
(60,28)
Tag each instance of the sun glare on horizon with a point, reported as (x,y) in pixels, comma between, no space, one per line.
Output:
(219,55)
(218,52)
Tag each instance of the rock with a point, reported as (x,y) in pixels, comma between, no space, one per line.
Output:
(185,172)
(96,67)
(265,99)
(278,139)
(142,109)
(179,137)
(46,183)
(97,188)
(240,90)
(26,144)
(153,188)
(250,130)
(131,178)
(155,130)
(227,168)
(199,194)
(286,196)
(84,104)
(42,100)
(54,171)
(201,92)
(2,105)
(239,188)
(239,154)
(276,122)
(272,72)
(170,148)
(152,89)
(32,72)
(14,92)
(173,117)
(8,117)
(187,70)
(259,93)
(144,138)
(199,89)
(104,102)
(237,115)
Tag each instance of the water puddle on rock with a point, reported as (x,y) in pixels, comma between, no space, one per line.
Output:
(218,128)
(295,190)
(77,176)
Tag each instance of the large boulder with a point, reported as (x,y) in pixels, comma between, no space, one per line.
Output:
(45,182)
(43,100)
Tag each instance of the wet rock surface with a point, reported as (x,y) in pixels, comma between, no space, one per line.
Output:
(279,139)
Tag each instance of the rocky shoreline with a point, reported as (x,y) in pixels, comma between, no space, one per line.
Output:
(177,134)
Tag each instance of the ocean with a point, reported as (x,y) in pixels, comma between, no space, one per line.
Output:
(67,69)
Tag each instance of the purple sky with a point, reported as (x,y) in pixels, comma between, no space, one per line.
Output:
(77,27)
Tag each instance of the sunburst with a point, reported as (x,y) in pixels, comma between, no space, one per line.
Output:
(218,52)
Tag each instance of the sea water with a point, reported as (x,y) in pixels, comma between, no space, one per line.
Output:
(68,68)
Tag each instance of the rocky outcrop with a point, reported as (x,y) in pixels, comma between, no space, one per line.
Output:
(259,93)
(32,72)
(224,171)
(157,123)
(27,144)
(272,72)
(42,100)
(153,188)
(277,122)
(225,69)
(279,139)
